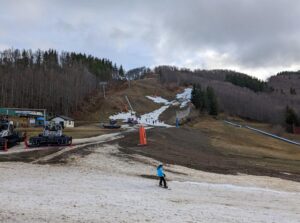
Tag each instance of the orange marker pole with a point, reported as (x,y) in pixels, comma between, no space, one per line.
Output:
(141,134)
(143,140)
(144,136)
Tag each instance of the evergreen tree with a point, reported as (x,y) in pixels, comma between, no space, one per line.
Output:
(212,102)
(203,101)
(121,71)
(291,117)
(196,98)
(246,81)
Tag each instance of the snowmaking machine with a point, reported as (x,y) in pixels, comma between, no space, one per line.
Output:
(52,136)
(8,136)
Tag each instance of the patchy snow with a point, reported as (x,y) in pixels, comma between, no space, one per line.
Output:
(152,118)
(185,97)
(158,100)
(104,187)
(182,99)
(123,116)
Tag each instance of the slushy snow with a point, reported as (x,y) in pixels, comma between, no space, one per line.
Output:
(106,187)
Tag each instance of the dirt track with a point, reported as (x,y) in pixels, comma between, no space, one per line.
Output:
(192,148)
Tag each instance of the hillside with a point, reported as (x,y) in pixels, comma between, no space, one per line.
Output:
(97,108)
(68,83)
(286,84)
(240,94)
(58,82)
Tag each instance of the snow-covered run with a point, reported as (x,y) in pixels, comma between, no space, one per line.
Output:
(152,118)
(185,97)
(158,100)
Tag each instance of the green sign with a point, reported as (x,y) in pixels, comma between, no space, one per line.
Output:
(10,112)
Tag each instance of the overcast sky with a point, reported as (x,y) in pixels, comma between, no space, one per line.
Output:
(259,37)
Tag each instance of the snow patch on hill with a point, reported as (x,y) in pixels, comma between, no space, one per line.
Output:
(185,97)
(152,118)
(123,116)
(158,100)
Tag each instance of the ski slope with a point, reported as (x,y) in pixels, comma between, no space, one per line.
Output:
(152,118)
(86,190)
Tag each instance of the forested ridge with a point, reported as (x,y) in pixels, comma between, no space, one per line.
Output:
(51,80)
(242,95)
(252,83)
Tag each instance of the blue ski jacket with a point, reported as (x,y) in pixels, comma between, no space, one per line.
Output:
(160,171)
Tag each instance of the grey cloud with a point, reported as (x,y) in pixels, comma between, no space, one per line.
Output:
(243,34)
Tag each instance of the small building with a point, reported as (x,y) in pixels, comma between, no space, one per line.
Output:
(24,117)
(64,121)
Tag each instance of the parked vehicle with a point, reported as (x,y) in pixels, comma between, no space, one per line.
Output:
(51,136)
(9,137)
(112,125)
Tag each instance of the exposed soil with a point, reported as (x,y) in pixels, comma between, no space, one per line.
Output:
(29,156)
(192,148)
(99,109)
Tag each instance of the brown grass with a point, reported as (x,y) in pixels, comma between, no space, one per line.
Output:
(99,109)
(239,142)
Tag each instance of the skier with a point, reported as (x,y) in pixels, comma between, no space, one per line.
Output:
(161,175)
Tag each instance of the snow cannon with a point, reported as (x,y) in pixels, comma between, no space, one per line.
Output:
(52,136)
(8,136)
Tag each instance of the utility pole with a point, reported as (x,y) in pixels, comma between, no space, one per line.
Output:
(103,84)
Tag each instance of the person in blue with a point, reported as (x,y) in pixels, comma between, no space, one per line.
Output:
(161,175)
